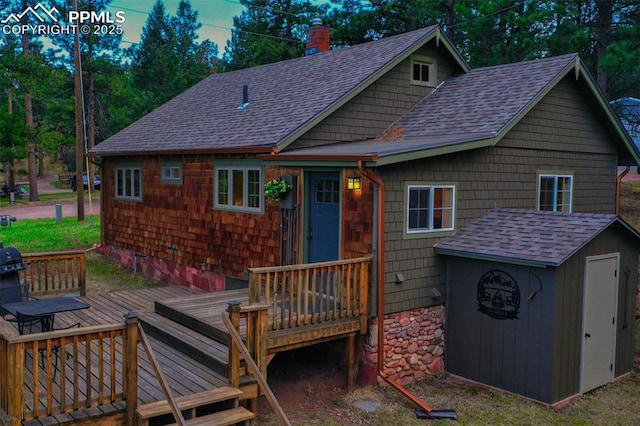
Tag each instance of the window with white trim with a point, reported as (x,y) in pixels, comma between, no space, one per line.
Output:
(128,182)
(555,192)
(423,71)
(430,208)
(171,173)
(239,188)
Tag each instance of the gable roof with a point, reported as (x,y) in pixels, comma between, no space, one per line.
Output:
(285,99)
(528,237)
(472,110)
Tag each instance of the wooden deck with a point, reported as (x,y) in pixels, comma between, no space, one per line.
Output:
(185,376)
(283,308)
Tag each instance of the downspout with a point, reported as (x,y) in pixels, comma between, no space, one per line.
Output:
(618,182)
(380,277)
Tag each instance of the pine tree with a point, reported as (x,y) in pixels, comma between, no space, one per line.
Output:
(269,31)
(168,59)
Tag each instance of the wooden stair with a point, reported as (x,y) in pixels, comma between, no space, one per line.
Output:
(193,343)
(234,416)
(206,344)
(216,407)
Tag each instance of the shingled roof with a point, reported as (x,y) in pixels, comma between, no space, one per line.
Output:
(528,236)
(485,100)
(283,97)
(468,111)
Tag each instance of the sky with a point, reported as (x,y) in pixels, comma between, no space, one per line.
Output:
(216,17)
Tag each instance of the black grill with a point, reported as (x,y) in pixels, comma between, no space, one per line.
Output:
(10,264)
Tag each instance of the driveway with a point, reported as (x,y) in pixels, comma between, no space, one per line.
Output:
(24,209)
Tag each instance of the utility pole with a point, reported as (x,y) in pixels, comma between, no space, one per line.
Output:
(79,122)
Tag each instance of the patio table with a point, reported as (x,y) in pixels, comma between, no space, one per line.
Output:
(43,310)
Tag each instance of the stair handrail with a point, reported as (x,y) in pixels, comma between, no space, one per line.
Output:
(177,414)
(253,368)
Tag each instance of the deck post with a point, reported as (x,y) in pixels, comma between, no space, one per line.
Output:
(233,308)
(15,381)
(82,274)
(351,361)
(130,357)
(261,340)
(254,288)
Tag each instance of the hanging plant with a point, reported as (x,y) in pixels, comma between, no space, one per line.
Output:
(275,189)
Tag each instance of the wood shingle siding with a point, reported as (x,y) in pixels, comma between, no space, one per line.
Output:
(501,176)
(369,113)
(183,216)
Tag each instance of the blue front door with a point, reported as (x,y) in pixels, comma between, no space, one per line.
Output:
(323,234)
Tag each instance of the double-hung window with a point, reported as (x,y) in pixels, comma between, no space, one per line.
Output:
(128,182)
(555,192)
(430,208)
(239,187)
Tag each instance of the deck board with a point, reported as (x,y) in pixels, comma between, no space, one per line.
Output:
(184,374)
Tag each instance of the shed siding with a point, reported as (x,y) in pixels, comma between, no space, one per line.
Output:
(568,328)
(372,111)
(503,176)
(512,354)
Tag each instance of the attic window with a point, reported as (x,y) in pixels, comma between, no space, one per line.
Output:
(423,71)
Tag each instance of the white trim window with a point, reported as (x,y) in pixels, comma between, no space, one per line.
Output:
(239,188)
(128,182)
(171,173)
(423,71)
(555,193)
(430,208)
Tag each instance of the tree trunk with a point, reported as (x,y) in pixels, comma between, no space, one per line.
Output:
(79,128)
(604,22)
(91,119)
(31,145)
(450,19)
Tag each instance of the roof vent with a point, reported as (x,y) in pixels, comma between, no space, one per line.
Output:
(245,97)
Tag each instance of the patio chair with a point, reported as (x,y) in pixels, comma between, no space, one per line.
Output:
(13,294)
(28,325)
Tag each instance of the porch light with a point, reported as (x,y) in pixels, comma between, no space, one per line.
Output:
(353,182)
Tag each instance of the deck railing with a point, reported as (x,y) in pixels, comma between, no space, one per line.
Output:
(94,369)
(252,349)
(305,294)
(55,273)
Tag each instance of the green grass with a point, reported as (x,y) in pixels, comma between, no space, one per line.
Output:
(42,235)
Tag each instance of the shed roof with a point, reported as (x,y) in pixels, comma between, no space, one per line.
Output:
(528,236)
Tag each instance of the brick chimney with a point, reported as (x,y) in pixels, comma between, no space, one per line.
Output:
(318,37)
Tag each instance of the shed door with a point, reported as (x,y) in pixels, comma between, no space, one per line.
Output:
(599,321)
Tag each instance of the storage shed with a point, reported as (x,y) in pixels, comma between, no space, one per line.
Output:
(541,304)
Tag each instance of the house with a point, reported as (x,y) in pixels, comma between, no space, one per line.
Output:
(389,147)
